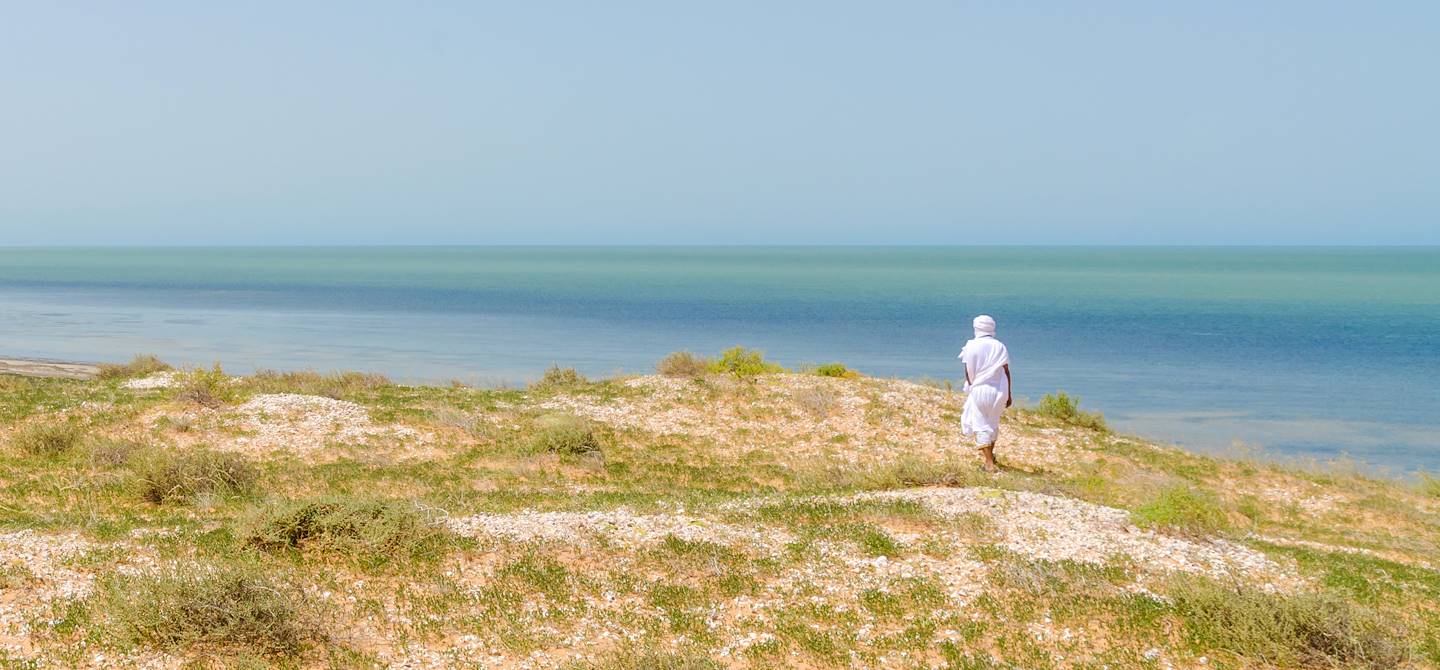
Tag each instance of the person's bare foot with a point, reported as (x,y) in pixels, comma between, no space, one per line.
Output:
(989,465)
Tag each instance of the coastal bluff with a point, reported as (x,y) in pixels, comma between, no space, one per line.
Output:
(711,516)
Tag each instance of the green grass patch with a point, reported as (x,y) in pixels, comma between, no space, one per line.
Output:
(48,439)
(1184,508)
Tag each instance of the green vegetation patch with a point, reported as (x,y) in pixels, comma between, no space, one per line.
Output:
(837,370)
(207,387)
(48,439)
(744,363)
(1184,508)
(190,609)
(370,532)
(1067,409)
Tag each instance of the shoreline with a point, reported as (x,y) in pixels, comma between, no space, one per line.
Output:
(36,367)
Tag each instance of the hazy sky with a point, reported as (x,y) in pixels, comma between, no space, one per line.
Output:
(723,122)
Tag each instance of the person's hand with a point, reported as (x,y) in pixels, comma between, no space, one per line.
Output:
(1009,400)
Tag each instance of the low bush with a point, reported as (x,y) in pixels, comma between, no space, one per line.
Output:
(1067,409)
(743,362)
(142,365)
(166,476)
(565,434)
(837,370)
(558,378)
(48,438)
(217,609)
(1306,630)
(207,388)
(337,385)
(370,532)
(683,364)
(1184,508)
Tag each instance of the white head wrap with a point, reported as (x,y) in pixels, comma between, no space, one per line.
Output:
(984,326)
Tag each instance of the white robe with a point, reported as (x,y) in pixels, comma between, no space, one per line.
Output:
(989,387)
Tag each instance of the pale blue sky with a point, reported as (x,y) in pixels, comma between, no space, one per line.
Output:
(724,122)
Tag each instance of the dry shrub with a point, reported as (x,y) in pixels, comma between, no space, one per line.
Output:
(683,364)
(166,476)
(454,417)
(142,365)
(817,400)
(195,609)
(370,532)
(110,453)
(1304,630)
(557,378)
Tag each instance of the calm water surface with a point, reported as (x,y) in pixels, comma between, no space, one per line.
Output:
(1308,352)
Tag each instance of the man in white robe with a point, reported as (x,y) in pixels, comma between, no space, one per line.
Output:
(987,388)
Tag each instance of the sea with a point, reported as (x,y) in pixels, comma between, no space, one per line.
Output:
(1301,354)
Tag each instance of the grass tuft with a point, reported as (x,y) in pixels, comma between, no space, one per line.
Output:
(683,364)
(565,434)
(142,365)
(165,476)
(48,439)
(196,609)
(371,532)
(1184,508)
(1067,409)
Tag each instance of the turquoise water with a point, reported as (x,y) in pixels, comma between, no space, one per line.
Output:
(1309,352)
